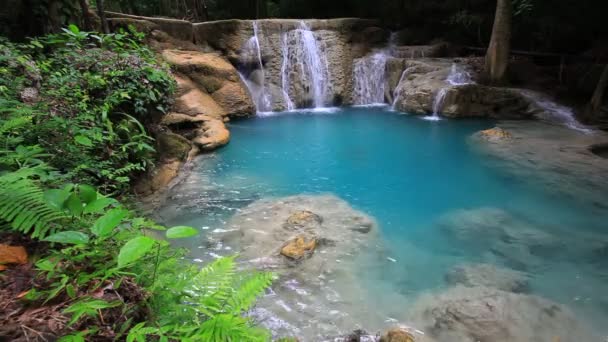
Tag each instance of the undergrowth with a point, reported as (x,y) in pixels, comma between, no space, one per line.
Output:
(76,109)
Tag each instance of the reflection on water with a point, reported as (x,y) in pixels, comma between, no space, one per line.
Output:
(439,204)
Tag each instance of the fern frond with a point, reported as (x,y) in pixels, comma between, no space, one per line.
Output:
(229,328)
(248,290)
(22,204)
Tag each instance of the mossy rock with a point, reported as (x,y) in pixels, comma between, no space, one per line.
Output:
(172,146)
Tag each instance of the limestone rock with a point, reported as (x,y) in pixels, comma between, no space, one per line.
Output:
(234,98)
(159,178)
(302,218)
(178,29)
(426,77)
(299,248)
(172,146)
(397,335)
(495,134)
(209,64)
(196,102)
(212,134)
(471,314)
(472,275)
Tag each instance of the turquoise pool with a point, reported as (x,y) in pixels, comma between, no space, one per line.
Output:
(425,183)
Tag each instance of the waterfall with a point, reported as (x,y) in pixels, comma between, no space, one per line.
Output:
(255,79)
(437,105)
(369,74)
(553,112)
(458,76)
(284,73)
(399,88)
(314,65)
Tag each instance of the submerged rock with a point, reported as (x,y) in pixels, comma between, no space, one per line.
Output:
(299,248)
(397,335)
(495,134)
(473,275)
(483,314)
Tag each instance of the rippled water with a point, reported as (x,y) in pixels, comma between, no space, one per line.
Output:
(425,184)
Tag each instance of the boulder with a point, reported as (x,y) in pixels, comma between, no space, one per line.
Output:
(196,102)
(234,98)
(472,275)
(196,62)
(301,219)
(397,335)
(471,314)
(495,134)
(159,178)
(425,79)
(211,135)
(171,146)
(210,81)
(299,248)
(178,29)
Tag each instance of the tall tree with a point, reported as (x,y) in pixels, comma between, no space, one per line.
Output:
(497,56)
(102,16)
(86,17)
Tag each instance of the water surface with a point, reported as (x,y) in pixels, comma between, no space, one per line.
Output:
(411,175)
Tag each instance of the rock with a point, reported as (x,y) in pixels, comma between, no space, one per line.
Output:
(299,248)
(178,29)
(234,98)
(426,77)
(397,335)
(159,178)
(471,314)
(472,275)
(495,134)
(302,218)
(263,227)
(212,134)
(141,25)
(211,81)
(192,101)
(196,62)
(196,102)
(172,146)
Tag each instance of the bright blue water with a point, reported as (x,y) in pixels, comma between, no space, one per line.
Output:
(406,173)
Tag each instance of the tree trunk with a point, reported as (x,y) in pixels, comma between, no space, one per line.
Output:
(86,18)
(102,16)
(497,56)
(598,95)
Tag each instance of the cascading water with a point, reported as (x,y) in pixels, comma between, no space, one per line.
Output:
(369,74)
(458,76)
(399,88)
(284,73)
(314,65)
(554,113)
(255,78)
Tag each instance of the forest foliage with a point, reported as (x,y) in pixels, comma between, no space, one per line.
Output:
(75,113)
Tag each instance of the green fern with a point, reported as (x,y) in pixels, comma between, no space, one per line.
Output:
(22,204)
(216,298)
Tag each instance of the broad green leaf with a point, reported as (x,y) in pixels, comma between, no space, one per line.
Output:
(87,193)
(82,140)
(98,205)
(105,224)
(181,232)
(134,250)
(74,204)
(56,198)
(73,28)
(70,237)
